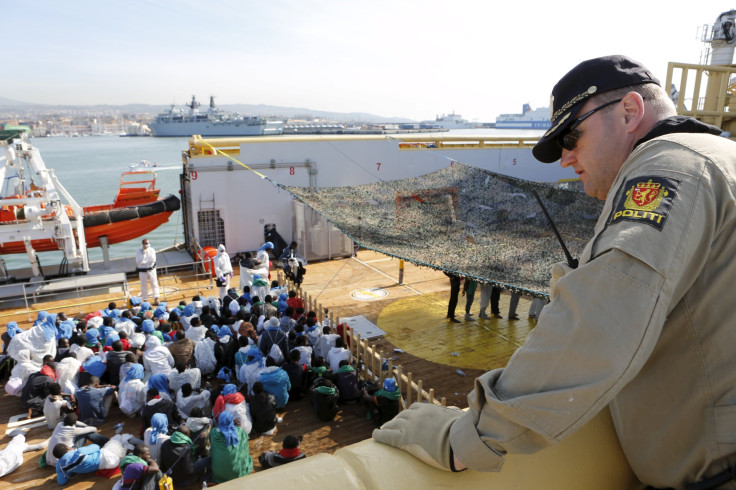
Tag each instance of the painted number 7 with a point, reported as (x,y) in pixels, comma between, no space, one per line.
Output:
(378,166)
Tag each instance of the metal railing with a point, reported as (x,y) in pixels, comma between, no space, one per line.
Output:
(708,90)
(201,278)
(33,293)
(170,279)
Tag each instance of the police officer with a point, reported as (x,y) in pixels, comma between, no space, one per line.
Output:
(645,324)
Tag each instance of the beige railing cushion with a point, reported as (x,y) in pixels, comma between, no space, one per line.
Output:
(591,458)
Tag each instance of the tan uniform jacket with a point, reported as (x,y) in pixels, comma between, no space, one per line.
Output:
(646,324)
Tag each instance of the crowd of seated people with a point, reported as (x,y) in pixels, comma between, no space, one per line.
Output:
(201,377)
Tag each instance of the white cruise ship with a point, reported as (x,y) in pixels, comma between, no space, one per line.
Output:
(528,119)
(450,121)
(189,120)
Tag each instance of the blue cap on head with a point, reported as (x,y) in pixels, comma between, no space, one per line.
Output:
(224,374)
(147,326)
(188,310)
(13,329)
(92,335)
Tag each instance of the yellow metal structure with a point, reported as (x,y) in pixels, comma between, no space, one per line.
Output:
(199,147)
(705,93)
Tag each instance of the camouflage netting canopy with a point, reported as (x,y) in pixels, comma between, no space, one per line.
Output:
(464,220)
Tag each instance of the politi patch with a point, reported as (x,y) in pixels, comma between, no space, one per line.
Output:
(646,200)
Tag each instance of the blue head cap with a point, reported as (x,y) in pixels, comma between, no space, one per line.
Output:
(160,310)
(145,306)
(224,331)
(134,372)
(113,337)
(49,329)
(147,326)
(160,382)
(13,329)
(94,366)
(226,425)
(65,330)
(92,335)
(389,384)
(254,355)
(42,316)
(188,310)
(159,425)
(224,374)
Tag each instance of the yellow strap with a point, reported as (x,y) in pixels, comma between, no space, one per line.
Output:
(236,161)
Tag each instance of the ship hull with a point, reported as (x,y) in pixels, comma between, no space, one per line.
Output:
(523,124)
(206,128)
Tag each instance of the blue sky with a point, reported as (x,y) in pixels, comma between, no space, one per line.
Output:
(413,59)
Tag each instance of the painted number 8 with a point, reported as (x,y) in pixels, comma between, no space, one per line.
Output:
(291,171)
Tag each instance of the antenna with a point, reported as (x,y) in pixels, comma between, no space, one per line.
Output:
(572,262)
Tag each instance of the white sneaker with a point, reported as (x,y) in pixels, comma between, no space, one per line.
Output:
(469,317)
(484,316)
(279,420)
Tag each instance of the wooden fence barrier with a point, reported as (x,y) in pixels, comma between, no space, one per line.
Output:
(373,360)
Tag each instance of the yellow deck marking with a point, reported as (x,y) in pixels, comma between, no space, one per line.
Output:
(418,326)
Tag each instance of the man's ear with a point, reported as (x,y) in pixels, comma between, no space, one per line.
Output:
(633,104)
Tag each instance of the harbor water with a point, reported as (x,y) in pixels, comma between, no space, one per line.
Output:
(90,169)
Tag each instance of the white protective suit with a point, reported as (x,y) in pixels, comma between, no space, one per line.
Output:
(157,359)
(34,340)
(20,373)
(145,259)
(67,371)
(223,270)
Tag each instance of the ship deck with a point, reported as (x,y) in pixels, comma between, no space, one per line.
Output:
(445,356)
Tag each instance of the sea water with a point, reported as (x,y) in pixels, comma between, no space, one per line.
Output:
(90,168)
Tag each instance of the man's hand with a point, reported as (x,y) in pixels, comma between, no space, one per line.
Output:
(559,270)
(423,431)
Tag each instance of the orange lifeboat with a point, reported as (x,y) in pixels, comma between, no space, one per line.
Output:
(136,211)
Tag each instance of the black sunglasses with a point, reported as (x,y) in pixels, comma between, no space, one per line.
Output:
(569,138)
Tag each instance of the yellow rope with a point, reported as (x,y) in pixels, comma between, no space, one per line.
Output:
(236,161)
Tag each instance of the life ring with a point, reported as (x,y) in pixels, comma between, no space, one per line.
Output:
(193,174)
